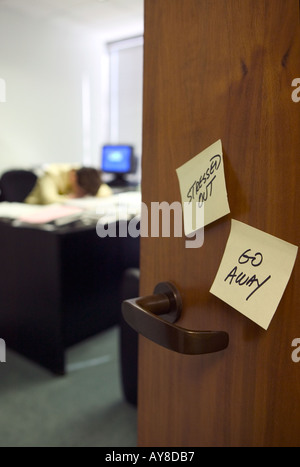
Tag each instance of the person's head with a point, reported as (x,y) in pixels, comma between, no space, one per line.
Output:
(86,181)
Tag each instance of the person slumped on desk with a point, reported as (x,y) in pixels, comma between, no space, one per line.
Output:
(61,182)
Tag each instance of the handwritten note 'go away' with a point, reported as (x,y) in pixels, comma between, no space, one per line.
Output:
(254,272)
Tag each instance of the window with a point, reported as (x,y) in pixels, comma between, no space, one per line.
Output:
(126,93)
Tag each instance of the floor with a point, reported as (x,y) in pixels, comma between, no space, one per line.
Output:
(85,408)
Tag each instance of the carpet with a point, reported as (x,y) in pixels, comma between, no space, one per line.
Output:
(84,408)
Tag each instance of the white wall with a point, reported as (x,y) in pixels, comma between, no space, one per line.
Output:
(126,95)
(44,65)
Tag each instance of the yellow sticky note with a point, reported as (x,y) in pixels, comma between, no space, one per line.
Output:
(254,272)
(203,188)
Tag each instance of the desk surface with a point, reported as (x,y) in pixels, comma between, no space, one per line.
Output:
(87,213)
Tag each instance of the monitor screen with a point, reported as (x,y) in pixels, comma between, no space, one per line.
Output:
(117,158)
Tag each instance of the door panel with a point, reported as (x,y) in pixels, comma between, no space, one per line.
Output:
(221,69)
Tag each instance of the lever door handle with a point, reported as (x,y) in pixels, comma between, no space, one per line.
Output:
(154,316)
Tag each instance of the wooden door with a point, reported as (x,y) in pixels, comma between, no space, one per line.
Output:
(222,69)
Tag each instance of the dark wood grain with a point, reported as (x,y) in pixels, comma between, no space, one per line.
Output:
(222,69)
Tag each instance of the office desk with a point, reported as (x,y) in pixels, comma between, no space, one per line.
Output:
(58,287)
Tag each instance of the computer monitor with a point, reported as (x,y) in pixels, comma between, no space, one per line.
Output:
(118,159)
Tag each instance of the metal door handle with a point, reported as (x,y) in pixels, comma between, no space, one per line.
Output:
(154,317)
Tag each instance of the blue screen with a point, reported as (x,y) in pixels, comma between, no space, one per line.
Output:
(117,158)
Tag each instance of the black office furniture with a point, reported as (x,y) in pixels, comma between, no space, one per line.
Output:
(57,287)
(15,185)
(129,339)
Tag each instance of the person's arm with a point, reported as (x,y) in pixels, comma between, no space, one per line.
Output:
(48,191)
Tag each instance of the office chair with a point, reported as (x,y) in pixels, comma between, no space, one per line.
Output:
(15,185)
(129,339)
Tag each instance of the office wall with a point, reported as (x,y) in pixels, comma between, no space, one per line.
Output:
(53,110)
(126,95)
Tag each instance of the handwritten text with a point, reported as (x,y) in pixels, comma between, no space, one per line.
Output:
(240,278)
(202,188)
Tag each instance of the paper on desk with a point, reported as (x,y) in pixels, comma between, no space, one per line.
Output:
(129,202)
(254,272)
(50,213)
(16,210)
(203,188)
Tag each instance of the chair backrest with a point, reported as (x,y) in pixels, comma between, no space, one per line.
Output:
(15,185)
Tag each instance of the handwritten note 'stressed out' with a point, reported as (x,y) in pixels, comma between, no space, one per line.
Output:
(202,185)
